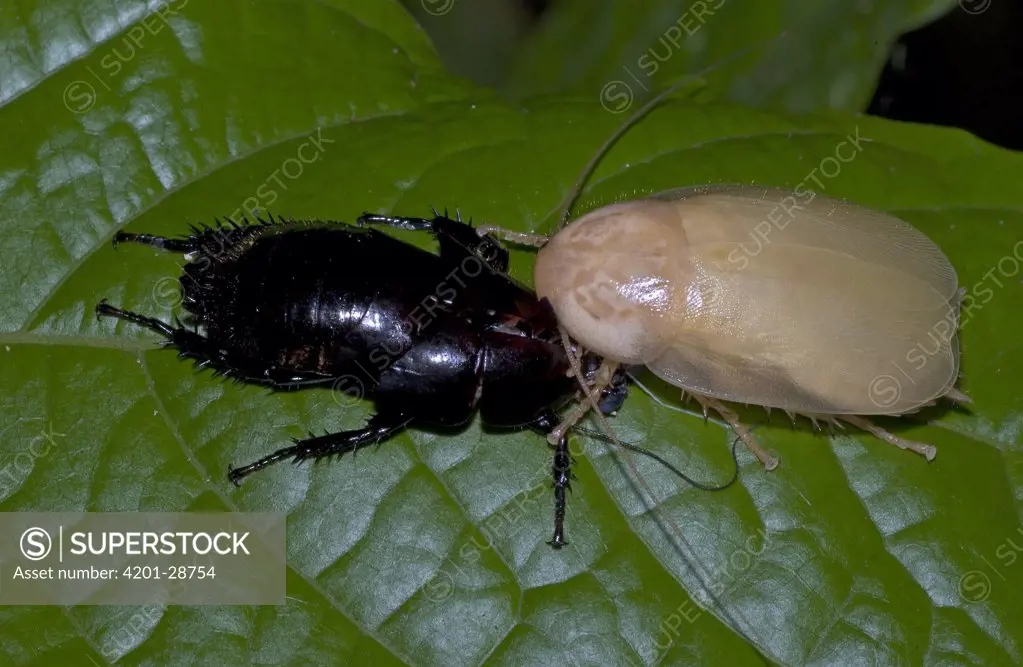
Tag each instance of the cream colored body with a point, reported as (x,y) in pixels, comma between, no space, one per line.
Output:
(760,296)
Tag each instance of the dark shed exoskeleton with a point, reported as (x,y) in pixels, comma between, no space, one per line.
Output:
(432,338)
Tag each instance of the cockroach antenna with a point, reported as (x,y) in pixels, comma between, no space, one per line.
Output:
(597,435)
(566,204)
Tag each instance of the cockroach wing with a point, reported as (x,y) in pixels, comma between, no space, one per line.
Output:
(813,306)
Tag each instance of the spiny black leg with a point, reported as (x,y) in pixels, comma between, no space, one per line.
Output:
(562,470)
(379,428)
(411,224)
(163,243)
(104,309)
(189,343)
(457,239)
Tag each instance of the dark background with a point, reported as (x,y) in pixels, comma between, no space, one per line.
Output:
(965,71)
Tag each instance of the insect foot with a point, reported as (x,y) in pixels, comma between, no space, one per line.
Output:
(924,450)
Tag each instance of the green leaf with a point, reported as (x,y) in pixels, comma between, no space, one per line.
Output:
(830,57)
(478,39)
(430,549)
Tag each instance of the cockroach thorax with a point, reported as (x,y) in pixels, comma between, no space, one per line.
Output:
(613,275)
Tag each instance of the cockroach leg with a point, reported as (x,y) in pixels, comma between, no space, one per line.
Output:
(603,378)
(188,343)
(562,471)
(605,374)
(927,451)
(379,428)
(957,396)
(400,222)
(456,238)
(571,418)
(163,243)
(520,238)
(732,419)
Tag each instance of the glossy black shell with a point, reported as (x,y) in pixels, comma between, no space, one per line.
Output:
(433,337)
(430,337)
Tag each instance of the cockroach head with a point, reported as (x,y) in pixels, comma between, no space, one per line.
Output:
(612,278)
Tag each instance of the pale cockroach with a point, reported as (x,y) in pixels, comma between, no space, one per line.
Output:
(843,312)
(757,295)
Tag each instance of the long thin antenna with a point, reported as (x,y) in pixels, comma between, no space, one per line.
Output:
(573,194)
(656,457)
